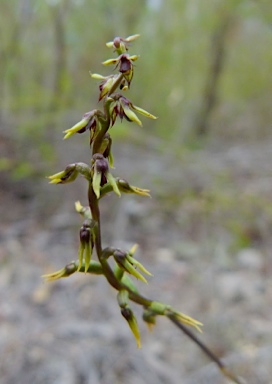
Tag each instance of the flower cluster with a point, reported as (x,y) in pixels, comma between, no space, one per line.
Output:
(102,182)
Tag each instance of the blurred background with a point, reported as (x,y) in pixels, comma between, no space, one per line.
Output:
(205,71)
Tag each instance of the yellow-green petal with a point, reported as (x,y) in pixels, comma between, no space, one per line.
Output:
(77,127)
(68,270)
(96,183)
(110,61)
(113,183)
(187,320)
(109,44)
(132,271)
(131,115)
(137,264)
(143,112)
(97,76)
(80,255)
(132,322)
(88,255)
(132,37)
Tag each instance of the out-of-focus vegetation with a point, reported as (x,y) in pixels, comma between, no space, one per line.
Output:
(208,73)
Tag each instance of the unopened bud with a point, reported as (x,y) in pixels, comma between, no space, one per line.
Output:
(101,164)
(132,322)
(150,318)
(123,298)
(84,235)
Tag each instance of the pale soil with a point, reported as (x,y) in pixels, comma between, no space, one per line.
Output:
(189,237)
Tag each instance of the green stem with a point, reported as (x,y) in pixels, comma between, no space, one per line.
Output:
(107,271)
(94,206)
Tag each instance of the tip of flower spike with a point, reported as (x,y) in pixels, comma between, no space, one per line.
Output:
(129,39)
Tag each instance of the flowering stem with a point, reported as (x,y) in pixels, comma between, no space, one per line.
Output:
(107,271)
(102,182)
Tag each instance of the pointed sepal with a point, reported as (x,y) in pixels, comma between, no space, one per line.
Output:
(132,322)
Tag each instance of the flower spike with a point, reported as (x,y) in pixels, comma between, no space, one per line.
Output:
(117,266)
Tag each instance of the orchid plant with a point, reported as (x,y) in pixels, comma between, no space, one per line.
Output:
(101,181)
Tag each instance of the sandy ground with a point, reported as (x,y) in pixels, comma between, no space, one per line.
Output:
(206,237)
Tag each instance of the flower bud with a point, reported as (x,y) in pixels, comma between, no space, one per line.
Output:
(132,322)
(68,175)
(86,245)
(84,234)
(150,318)
(84,211)
(120,44)
(100,173)
(101,164)
(123,298)
(68,270)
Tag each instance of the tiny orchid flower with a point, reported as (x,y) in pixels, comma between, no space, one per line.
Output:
(124,108)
